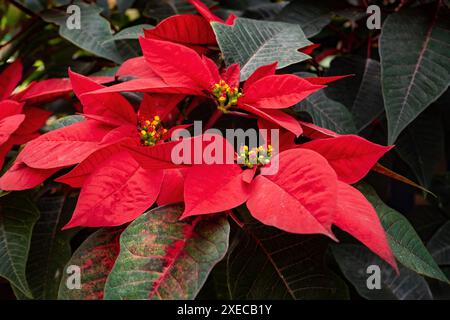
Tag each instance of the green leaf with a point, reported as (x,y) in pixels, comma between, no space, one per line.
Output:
(94,33)
(415,59)
(133,32)
(64,122)
(18,215)
(313,16)
(439,245)
(327,113)
(421,145)
(264,262)
(164,258)
(254,43)
(95,257)
(403,239)
(50,248)
(123,5)
(354,261)
(161,9)
(361,93)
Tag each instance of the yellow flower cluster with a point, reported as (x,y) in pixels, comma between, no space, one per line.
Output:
(152,131)
(255,157)
(225,95)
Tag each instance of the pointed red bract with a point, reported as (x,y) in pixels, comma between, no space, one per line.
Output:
(21,177)
(111,105)
(172,187)
(8,125)
(277,92)
(10,78)
(261,72)
(187,29)
(326,80)
(213,188)
(137,68)
(300,197)
(117,192)
(278,117)
(158,104)
(204,11)
(64,147)
(351,156)
(357,216)
(176,64)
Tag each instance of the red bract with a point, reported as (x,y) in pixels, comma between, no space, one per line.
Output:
(115,189)
(190,30)
(308,193)
(181,70)
(19,119)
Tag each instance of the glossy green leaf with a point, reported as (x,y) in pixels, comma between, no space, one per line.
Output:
(355,262)
(264,262)
(254,43)
(313,16)
(50,248)
(164,258)
(439,245)
(327,113)
(403,239)
(415,59)
(93,34)
(421,145)
(18,215)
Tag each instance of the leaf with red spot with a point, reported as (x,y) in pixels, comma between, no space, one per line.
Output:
(214,188)
(187,29)
(357,216)
(64,147)
(300,197)
(117,192)
(9,79)
(351,156)
(277,92)
(165,258)
(95,257)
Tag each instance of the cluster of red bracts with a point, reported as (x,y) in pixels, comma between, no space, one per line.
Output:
(122,158)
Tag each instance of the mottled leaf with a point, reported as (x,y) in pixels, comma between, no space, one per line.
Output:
(95,258)
(164,258)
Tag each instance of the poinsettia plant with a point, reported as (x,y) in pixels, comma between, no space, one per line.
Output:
(223,150)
